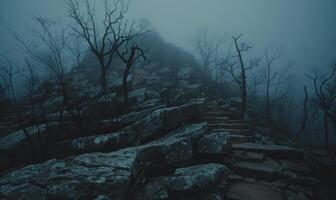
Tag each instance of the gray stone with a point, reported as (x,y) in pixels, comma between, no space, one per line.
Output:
(163,120)
(82,177)
(177,146)
(215,143)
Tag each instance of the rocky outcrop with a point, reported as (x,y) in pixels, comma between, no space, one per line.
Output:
(90,176)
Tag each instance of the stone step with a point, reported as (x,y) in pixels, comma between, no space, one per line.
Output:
(245,132)
(225,106)
(229,125)
(217,113)
(238,121)
(216,119)
(235,138)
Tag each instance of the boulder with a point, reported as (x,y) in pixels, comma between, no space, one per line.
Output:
(162,121)
(215,143)
(184,180)
(269,149)
(177,146)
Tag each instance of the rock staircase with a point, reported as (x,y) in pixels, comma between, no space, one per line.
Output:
(260,169)
(221,117)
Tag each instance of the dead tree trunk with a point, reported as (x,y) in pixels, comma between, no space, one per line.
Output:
(243,79)
(129,59)
(305,114)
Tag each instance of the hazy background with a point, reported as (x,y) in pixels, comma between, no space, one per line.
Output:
(305,28)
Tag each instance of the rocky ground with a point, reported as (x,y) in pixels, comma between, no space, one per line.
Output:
(196,151)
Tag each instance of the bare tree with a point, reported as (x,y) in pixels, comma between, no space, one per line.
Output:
(325,87)
(106,38)
(305,114)
(129,56)
(240,77)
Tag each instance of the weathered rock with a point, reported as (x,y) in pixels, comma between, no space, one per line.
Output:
(177,146)
(84,177)
(184,180)
(99,143)
(94,175)
(215,143)
(271,150)
(248,191)
(162,121)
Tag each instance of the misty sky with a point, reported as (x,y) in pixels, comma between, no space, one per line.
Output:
(305,28)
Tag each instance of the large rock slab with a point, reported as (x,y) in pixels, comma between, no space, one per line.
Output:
(184,180)
(269,149)
(162,121)
(215,143)
(83,177)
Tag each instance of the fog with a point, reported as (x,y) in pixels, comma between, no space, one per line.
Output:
(305,28)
